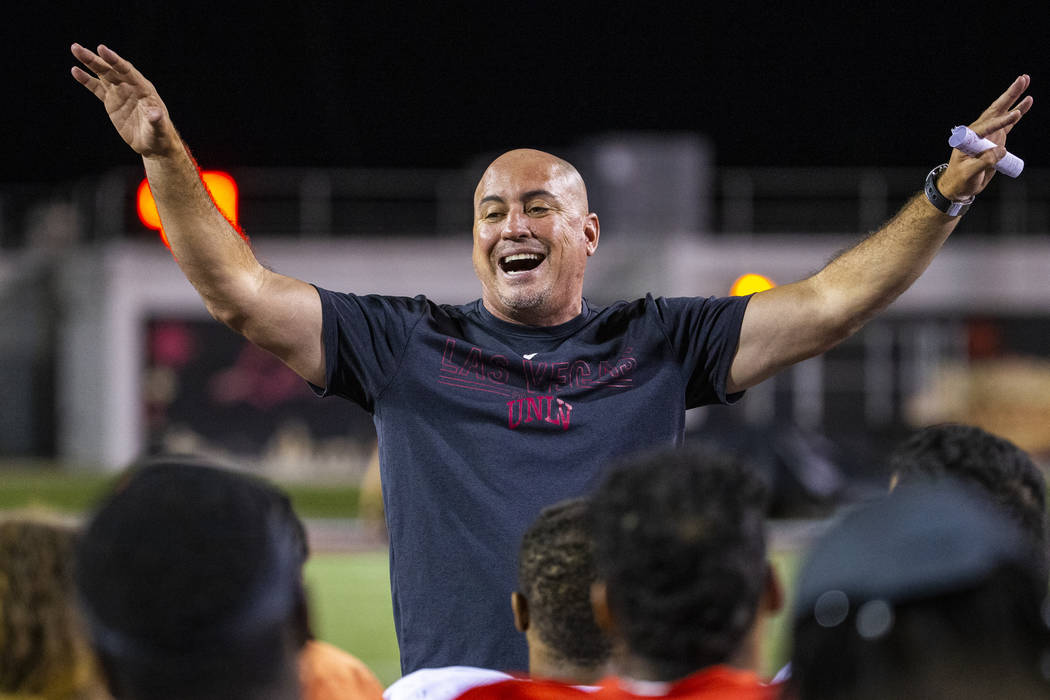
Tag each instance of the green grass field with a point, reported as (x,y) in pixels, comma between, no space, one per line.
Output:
(29,486)
(350,606)
(350,599)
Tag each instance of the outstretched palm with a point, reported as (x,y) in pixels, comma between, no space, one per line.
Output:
(994,124)
(131,101)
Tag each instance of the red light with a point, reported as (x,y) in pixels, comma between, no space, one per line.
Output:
(221,186)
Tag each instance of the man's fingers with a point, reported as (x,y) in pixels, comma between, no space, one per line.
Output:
(1024,105)
(1011,95)
(987,125)
(90,82)
(1012,124)
(106,64)
(120,65)
(91,60)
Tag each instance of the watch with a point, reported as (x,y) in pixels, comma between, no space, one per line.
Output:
(948,206)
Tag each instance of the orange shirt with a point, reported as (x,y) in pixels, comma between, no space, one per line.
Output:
(327,673)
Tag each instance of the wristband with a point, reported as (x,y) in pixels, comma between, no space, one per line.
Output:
(948,206)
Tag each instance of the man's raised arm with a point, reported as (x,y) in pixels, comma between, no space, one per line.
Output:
(277,313)
(787,324)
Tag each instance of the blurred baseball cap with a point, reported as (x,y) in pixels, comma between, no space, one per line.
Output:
(917,542)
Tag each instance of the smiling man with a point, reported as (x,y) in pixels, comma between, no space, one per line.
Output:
(533,233)
(488,411)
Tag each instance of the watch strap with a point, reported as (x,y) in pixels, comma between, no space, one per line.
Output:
(948,206)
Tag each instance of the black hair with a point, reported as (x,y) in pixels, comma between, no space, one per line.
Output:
(998,467)
(680,544)
(190,574)
(555,573)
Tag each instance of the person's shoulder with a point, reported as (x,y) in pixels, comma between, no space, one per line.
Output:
(660,304)
(717,682)
(326,671)
(528,689)
(653,308)
(393,304)
(621,309)
(712,683)
(469,309)
(441,683)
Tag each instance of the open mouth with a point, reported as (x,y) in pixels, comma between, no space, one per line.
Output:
(520,262)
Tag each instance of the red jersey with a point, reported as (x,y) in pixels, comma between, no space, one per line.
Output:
(713,683)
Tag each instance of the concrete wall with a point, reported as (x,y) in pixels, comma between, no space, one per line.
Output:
(106,294)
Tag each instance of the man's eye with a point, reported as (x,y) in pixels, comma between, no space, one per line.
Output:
(491,216)
(538,210)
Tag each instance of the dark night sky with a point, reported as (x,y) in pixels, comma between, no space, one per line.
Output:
(312,83)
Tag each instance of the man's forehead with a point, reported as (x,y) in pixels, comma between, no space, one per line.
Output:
(525,170)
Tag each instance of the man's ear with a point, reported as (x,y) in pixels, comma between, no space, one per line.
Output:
(600,607)
(592,229)
(519,604)
(772,600)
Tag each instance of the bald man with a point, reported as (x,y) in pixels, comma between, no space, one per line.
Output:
(490,410)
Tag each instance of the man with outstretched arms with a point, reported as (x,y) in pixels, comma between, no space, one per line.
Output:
(488,411)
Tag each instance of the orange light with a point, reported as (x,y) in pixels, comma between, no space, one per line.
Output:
(749,284)
(147,208)
(223,189)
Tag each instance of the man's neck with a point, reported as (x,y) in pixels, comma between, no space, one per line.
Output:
(533,317)
(546,664)
(748,655)
(646,671)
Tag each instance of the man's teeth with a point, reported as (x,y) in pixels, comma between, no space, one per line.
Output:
(518,263)
(521,256)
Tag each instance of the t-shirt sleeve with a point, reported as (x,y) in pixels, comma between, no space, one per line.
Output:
(364,342)
(441,683)
(704,334)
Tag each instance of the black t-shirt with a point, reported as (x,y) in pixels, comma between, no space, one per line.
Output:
(482,423)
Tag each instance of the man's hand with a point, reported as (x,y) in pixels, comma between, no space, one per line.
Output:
(787,324)
(967,176)
(278,313)
(132,102)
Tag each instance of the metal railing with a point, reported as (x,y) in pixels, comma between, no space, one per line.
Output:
(314,202)
(837,200)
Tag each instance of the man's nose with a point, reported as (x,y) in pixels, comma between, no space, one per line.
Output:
(516,225)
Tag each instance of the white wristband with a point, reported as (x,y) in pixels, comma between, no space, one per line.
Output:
(971,144)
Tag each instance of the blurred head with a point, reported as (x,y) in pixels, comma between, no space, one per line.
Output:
(996,466)
(927,593)
(44,648)
(553,601)
(190,581)
(681,554)
(533,234)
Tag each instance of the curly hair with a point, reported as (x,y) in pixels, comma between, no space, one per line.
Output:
(44,649)
(680,544)
(1001,469)
(555,573)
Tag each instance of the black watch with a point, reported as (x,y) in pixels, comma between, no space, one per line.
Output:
(948,206)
